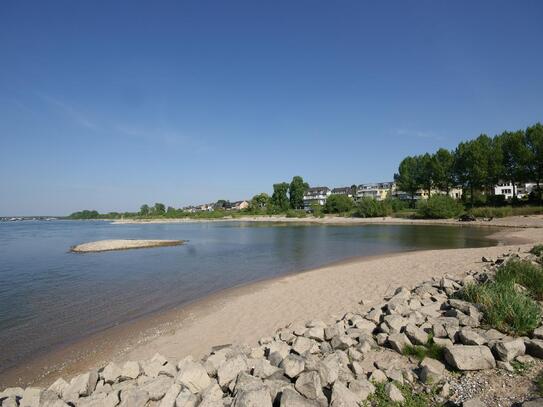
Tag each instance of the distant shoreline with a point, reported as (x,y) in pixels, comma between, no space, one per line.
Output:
(244,313)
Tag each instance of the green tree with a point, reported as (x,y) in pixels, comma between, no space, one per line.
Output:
(425,172)
(515,158)
(534,144)
(260,202)
(443,169)
(279,198)
(368,207)
(296,191)
(338,204)
(144,210)
(407,177)
(354,188)
(159,209)
(471,165)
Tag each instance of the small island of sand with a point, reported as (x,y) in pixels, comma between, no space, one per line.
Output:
(122,244)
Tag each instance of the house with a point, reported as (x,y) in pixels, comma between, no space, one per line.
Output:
(508,190)
(316,195)
(379,191)
(343,191)
(454,192)
(239,205)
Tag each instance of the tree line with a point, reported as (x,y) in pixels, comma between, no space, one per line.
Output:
(477,165)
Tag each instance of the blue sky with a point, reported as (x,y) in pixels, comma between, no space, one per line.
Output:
(108,105)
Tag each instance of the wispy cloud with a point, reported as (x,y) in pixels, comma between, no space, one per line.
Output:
(430,135)
(69,110)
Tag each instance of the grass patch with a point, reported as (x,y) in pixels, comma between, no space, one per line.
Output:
(503,211)
(519,367)
(430,350)
(538,382)
(537,250)
(296,213)
(412,399)
(524,273)
(504,308)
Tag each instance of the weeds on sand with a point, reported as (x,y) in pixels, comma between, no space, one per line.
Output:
(524,273)
(430,350)
(412,398)
(537,250)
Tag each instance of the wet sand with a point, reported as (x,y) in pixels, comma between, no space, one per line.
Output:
(244,314)
(122,244)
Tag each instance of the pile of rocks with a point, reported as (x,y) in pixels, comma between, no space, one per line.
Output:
(312,364)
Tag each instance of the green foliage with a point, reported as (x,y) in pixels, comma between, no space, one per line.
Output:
(430,350)
(296,213)
(279,199)
(439,207)
(490,212)
(519,367)
(537,250)
(538,382)
(524,273)
(296,192)
(504,308)
(145,210)
(159,209)
(317,211)
(408,176)
(338,204)
(85,214)
(260,202)
(397,205)
(371,208)
(412,398)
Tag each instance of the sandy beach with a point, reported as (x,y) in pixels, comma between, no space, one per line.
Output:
(244,314)
(122,244)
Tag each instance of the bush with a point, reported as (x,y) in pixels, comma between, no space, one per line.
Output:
(489,212)
(431,350)
(371,208)
(338,204)
(439,207)
(524,273)
(537,250)
(296,213)
(504,308)
(317,211)
(397,205)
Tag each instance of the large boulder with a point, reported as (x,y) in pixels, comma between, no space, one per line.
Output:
(192,375)
(393,393)
(293,365)
(157,387)
(111,373)
(82,385)
(291,398)
(416,335)
(508,349)
(431,371)
(470,337)
(362,388)
(230,369)
(463,357)
(309,385)
(534,347)
(343,397)
(398,342)
(130,370)
(134,397)
(253,398)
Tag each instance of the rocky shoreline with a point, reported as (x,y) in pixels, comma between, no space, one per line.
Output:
(355,360)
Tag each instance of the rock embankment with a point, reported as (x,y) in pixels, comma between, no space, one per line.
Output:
(122,244)
(358,358)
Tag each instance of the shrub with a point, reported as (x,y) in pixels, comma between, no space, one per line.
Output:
(489,212)
(338,204)
(537,250)
(296,213)
(439,207)
(431,350)
(524,273)
(504,308)
(371,208)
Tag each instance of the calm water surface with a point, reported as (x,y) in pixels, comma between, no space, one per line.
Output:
(49,296)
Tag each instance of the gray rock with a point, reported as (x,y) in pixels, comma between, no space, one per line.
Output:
(470,337)
(328,369)
(111,373)
(443,342)
(230,369)
(291,398)
(309,385)
(15,392)
(171,395)
(31,397)
(186,399)
(253,398)
(302,345)
(374,315)
(395,323)
(343,397)
(157,387)
(131,370)
(293,365)
(534,347)
(262,368)
(156,367)
(9,401)
(316,332)
(505,366)
(416,335)
(192,375)
(394,374)
(538,333)
(431,371)
(134,397)
(362,388)
(398,342)
(475,402)
(103,400)
(538,402)
(393,393)
(463,357)
(59,386)
(508,349)
(342,342)
(377,376)
(83,385)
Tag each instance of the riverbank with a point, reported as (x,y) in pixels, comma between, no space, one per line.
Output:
(244,314)
(532,221)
